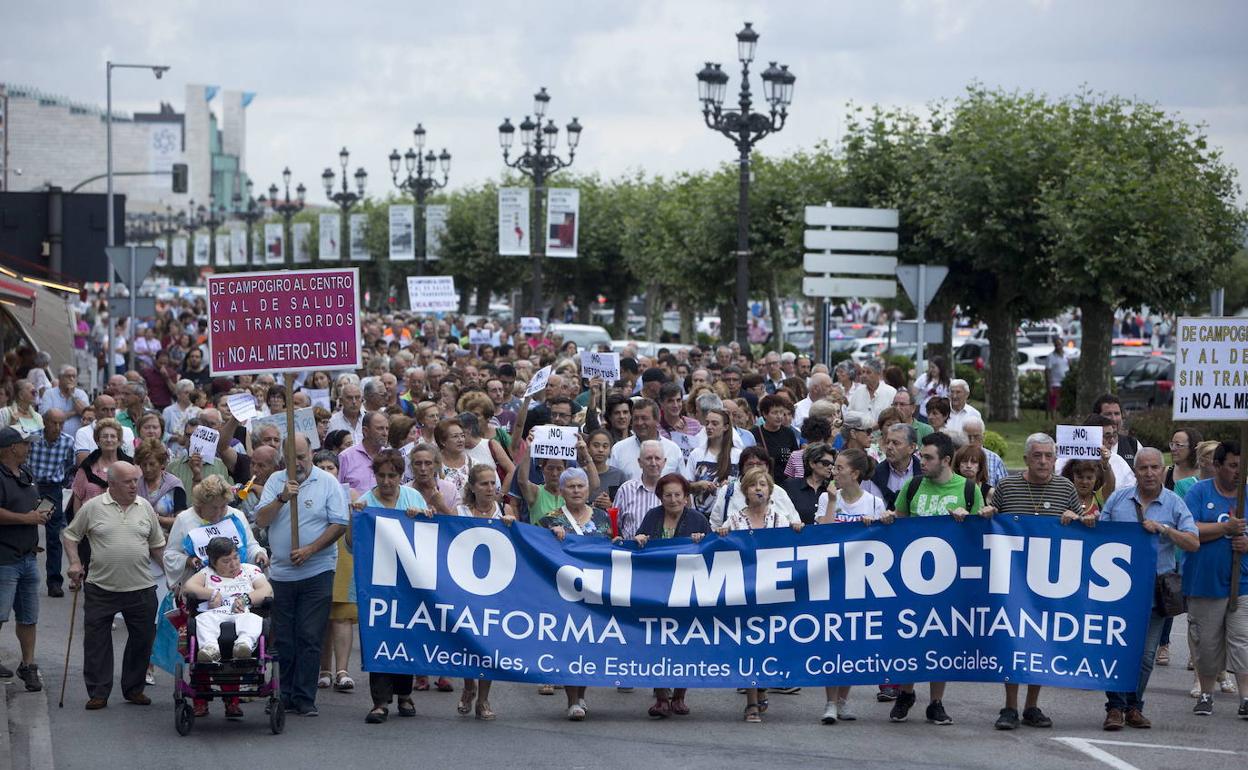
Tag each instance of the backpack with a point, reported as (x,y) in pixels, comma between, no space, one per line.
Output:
(912,489)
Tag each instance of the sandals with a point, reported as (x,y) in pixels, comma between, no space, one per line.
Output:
(661,709)
(753,713)
(762,705)
(422,684)
(378,715)
(546,689)
(406,707)
(464,707)
(444,685)
(343,682)
(324,680)
(679,708)
(484,711)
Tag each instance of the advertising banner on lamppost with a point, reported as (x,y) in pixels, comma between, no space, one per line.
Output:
(301,242)
(274,248)
(435,228)
(563,209)
(238,247)
(330,230)
(257,246)
(223,248)
(203,249)
(178,257)
(513,221)
(402,233)
(359,247)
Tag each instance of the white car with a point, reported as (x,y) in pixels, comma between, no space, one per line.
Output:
(586,336)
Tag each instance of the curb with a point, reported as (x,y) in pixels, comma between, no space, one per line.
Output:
(28,736)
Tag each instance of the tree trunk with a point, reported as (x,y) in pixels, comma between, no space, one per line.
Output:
(727,321)
(1002,390)
(483,299)
(1098,333)
(777,317)
(464,298)
(687,336)
(654,312)
(619,318)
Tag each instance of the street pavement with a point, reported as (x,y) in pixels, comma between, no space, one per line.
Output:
(531,730)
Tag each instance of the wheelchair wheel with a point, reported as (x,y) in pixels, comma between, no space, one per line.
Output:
(277,716)
(183,718)
(178,698)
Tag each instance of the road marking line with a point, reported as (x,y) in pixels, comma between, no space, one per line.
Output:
(1085,746)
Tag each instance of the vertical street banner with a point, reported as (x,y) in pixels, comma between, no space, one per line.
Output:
(513,221)
(1211,369)
(274,248)
(238,247)
(162,253)
(563,209)
(435,229)
(329,230)
(358,223)
(257,246)
(223,249)
(203,249)
(178,257)
(283,320)
(402,233)
(432,294)
(301,242)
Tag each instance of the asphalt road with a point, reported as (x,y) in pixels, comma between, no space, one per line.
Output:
(531,729)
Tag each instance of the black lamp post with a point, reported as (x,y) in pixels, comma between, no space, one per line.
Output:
(250,213)
(344,199)
(421,180)
(287,209)
(538,162)
(744,127)
(170,224)
(214,219)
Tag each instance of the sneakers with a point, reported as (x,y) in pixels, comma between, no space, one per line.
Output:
(30,675)
(1163,655)
(829,713)
(1008,720)
(1113,721)
(242,650)
(209,654)
(785,690)
(901,708)
(936,714)
(887,693)
(842,710)
(1204,706)
(1034,717)
(1243,709)
(1226,683)
(309,711)
(576,713)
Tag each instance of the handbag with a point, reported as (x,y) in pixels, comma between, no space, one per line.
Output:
(1168,599)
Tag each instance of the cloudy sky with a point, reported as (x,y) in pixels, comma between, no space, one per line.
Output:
(362,74)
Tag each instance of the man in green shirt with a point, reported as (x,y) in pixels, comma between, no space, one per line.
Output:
(939,492)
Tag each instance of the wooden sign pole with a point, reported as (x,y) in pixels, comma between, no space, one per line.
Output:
(1232,602)
(290,459)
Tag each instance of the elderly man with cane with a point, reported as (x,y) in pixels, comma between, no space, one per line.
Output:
(125,537)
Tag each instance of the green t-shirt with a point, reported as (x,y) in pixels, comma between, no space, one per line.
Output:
(1182,486)
(922,429)
(934,499)
(545,503)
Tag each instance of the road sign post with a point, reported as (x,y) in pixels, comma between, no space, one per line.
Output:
(138,261)
(922,282)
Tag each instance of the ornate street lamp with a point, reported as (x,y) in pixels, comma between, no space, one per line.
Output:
(538,162)
(420,181)
(345,199)
(287,208)
(745,127)
(252,212)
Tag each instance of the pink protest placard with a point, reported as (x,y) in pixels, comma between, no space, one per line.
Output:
(284,320)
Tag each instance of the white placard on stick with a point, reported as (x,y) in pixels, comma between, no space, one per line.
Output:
(530,325)
(604,366)
(482,337)
(1211,369)
(319,396)
(553,442)
(305,423)
(204,443)
(242,406)
(1079,442)
(538,383)
(432,294)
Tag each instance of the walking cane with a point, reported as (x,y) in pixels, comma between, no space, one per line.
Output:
(73,615)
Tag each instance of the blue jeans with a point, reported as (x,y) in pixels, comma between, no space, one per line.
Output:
(19,590)
(1135,700)
(52,532)
(300,614)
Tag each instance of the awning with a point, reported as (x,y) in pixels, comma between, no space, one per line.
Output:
(17,293)
(49,326)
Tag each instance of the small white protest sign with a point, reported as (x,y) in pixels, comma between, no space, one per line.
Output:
(603,366)
(201,535)
(530,325)
(242,406)
(538,382)
(432,293)
(204,443)
(482,337)
(305,423)
(319,397)
(553,442)
(1079,442)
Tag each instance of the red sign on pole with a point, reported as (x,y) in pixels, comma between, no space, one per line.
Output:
(286,320)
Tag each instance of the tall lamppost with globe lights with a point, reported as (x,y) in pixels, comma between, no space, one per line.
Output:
(286,208)
(250,212)
(538,162)
(421,180)
(345,199)
(745,127)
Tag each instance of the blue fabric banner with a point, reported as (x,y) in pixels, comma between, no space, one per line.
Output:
(1017,599)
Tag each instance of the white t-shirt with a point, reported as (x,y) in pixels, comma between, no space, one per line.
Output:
(229,588)
(626,452)
(84,440)
(867,504)
(1056,366)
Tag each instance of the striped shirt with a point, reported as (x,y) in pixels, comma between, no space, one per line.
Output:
(1017,495)
(633,501)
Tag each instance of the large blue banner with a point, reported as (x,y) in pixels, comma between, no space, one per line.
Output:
(1008,599)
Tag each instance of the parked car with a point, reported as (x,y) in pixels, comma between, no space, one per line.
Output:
(586,336)
(1120,364)
(1150,383)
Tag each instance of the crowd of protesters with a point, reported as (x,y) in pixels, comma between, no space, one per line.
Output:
(691,442)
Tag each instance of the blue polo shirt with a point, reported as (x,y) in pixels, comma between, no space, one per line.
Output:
(321,503)
(1207,572)
(1167,509)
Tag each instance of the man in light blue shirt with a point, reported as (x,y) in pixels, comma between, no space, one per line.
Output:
(1163,514)
(303,578)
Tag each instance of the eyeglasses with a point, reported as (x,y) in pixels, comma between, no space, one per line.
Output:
(974,437)
(1178,445)
(823,463)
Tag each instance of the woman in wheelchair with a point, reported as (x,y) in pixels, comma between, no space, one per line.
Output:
(226,590)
